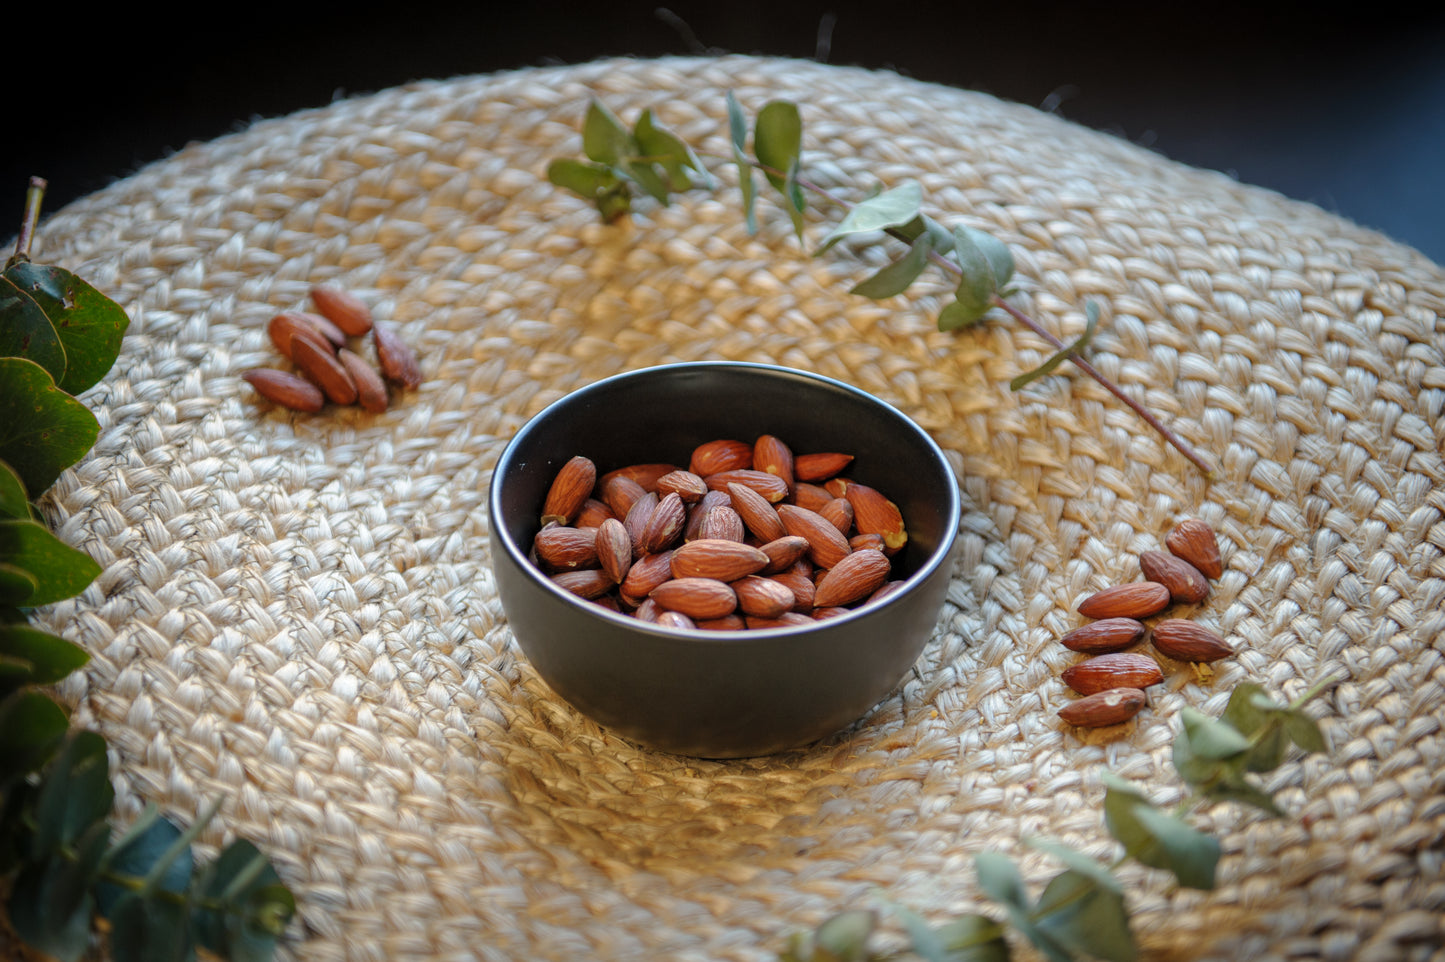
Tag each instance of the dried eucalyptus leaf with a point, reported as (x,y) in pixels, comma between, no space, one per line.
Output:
(892,208)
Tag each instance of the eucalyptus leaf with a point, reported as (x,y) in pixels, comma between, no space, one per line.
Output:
(845,936)
(582,177)
(959,314)
(1252,713)
(1158,839)
(895,278)
(89,324)
(50,904)
(16,584)
(1220,779)
(995,253)
(1304,731)
(138,855)
(645,176)
(892,208)
(664,148)
(43,430)
(75,794)
(1063,354)
(49,657)
(59,570)
(1077,861)
(974,938)
(31,726)
(150,930)
(1210,738)
(254,907)
(14,502)
(26,332)
(1001,880)
(1080,913)
(604,139)
(778,141)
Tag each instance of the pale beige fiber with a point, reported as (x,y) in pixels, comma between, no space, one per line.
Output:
(296,612)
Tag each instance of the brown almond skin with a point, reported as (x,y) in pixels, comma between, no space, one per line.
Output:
(797,581)
(343,308)
(1186,641)
(664,525)
(646,574)
(646,475)
(321,366)
(770,486)
(370,388)
(1137,599)
(398,361)
(1102,637)
(1194,541)
(569,490)
(688,486)
(762,597)
(1121,669)
(810,496)
(720,455)
(1186,583)
(854,578)
(783,552)
(592,514)
(717,558)
(591,583)
(674,619)
(566,549)
(840,513)
(286,389)
(732,622)
(324,327)
(819,466)
(619,493)
(721,522)
(758,514)
(773,456)
(288,325)
(614,549)
(637,519)
(826,544)
(875,514)
(888,588)
(698,598)
(1112,706)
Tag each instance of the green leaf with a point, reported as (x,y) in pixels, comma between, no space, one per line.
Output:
(664,148)
(1220,779)
(1158,839)
(1091,310)
(1077,861)
(582,177)
(778,142)
(892,208)
(16,584)
(89,324)
(738,130)
(14,502)
(254,906)
(970,938)
(604,139)
(43,430)
(995,253)
(1001,880)
(844,937)
(959,314)
(31,726)
(51,906)
(59,570)
(75,793)
(46,658)
(895,278)
(26,332)
(150,930)
(1304,731)
(1082,913)
(978,278)
(1210,738)
(158,844)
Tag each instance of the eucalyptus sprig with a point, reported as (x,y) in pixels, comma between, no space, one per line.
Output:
(58,337)
(649,160)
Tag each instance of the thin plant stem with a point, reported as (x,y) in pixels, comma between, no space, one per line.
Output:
(34,194)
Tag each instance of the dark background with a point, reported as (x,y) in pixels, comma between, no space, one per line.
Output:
(1342,106)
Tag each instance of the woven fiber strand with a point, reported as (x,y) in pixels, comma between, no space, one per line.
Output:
(296,613)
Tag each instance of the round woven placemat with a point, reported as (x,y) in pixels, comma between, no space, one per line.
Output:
(296,612)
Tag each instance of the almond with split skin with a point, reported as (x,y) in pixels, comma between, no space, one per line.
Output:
(342,308)
(569,490)
(1186,641)
(286,389)
(1186,583)
(1138,599)
(1193,541)
(1113,706)
(1101,637)
(1118,670)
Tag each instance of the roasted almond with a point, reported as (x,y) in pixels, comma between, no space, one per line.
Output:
(758,514)
(698,598)
(721,522)
(286,389)
(686,485)
(717,558)
(1100,637)
(888,588)
(342,308)
(320,365)
(674,619)
(720,455)
(645,574)
(562,548)
(826,544)
(637,520)
(773,456)
(852,579)
(788,619)
(1112,706)
(762,597)
(370,389)
(1186,583)
(398,362)
(1194,541)
(614,549)
(810,496)
(840,513)
(875,514)
(1186,641)
(732,622)
(861,541)
(592,514)
(783,552)
(1138,599)
(1121,669)
(619,493)
(796,580)
(590,583)
(770,486)
(288,325)
(664,525)
(569,490)
(820,466)
(647,474)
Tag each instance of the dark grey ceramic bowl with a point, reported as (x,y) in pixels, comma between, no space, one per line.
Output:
(706,693)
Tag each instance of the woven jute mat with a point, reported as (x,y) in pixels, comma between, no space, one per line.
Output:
(296,613)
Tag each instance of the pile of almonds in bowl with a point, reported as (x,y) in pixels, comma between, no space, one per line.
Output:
(1112,680)
(323,347)
(745,536)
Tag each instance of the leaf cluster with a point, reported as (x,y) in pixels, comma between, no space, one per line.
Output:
(1082,911)
(58,337)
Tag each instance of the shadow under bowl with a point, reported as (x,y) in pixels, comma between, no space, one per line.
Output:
(718,694)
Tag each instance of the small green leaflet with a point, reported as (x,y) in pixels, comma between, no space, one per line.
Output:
(986,266)
(1156,838)
(892,208)
(738,135)
(87,325)
(1091,312)
(59,570)
(778,144)
(895,278)
(43,430)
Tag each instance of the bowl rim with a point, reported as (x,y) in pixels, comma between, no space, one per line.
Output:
(499,534)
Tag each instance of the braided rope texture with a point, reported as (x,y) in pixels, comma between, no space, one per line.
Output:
(296,612)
